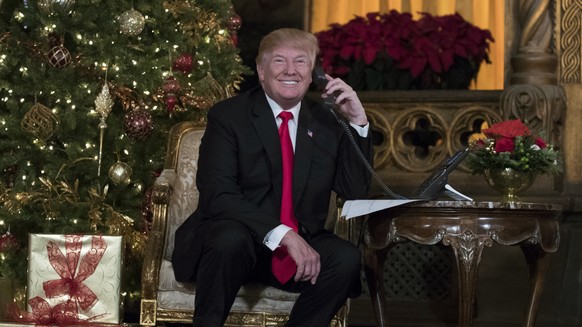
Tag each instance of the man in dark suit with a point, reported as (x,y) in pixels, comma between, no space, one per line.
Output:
(235,232)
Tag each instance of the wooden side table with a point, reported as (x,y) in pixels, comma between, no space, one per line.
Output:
(467,227)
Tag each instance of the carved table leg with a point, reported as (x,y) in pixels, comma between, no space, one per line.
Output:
(538,263)
(374,268)
(468,248)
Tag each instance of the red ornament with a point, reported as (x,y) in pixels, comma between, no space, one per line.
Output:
(8,243)
(59,56)
(171,101)
(138,124)
(171,89)
(234,23)
(184,63)
(234,38)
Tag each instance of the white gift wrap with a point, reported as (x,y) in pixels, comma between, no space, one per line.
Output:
(104,282)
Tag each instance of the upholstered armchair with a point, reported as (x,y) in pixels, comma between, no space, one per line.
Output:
(174,198)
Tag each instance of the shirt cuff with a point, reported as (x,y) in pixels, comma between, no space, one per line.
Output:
(362,130)
(274,237)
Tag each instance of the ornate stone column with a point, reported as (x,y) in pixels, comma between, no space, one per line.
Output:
(532,92)
(568,44)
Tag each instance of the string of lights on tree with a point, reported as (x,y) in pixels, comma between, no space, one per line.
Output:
(88,93)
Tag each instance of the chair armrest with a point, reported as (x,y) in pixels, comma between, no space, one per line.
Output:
(343,227)
(163,187)
(335,222)
(162,190)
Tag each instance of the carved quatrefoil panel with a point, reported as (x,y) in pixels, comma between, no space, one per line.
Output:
(421,139)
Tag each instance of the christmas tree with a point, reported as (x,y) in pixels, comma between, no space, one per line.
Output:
(88,93)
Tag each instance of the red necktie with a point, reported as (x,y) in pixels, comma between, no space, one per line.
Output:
(283,265)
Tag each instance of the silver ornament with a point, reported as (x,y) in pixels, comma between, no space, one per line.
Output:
(103,104)
(131,22)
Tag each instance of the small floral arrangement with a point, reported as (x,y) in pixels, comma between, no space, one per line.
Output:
(511,144)
(393,51)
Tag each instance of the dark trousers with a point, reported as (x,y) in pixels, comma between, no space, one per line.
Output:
(231,258)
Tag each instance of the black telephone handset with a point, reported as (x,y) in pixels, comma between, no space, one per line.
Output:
(320,80)
(319,76)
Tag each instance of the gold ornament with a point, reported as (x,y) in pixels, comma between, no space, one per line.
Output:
(103,105)
(137,243)
(196,22)
(120,173)
(208,87)
(197,101)
(9,202)
(131,22)
(126,96)
(120,224)
(40,122)
(48,7)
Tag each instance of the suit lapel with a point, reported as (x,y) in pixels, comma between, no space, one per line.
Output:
(266,128)
(303,152)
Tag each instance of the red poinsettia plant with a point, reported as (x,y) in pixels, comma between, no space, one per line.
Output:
(511,144)
(393,51)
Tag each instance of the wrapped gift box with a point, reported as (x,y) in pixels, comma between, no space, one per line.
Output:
(76,276)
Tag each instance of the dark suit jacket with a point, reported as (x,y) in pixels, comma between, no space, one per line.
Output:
(239,172)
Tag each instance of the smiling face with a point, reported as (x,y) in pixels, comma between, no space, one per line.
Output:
(285,74)
(285,60)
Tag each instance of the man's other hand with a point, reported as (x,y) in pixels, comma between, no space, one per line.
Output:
(306,258)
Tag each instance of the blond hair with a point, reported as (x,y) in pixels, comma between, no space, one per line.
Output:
(292,37)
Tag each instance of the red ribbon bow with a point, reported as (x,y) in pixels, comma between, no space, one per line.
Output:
(71,282)
(62,314)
